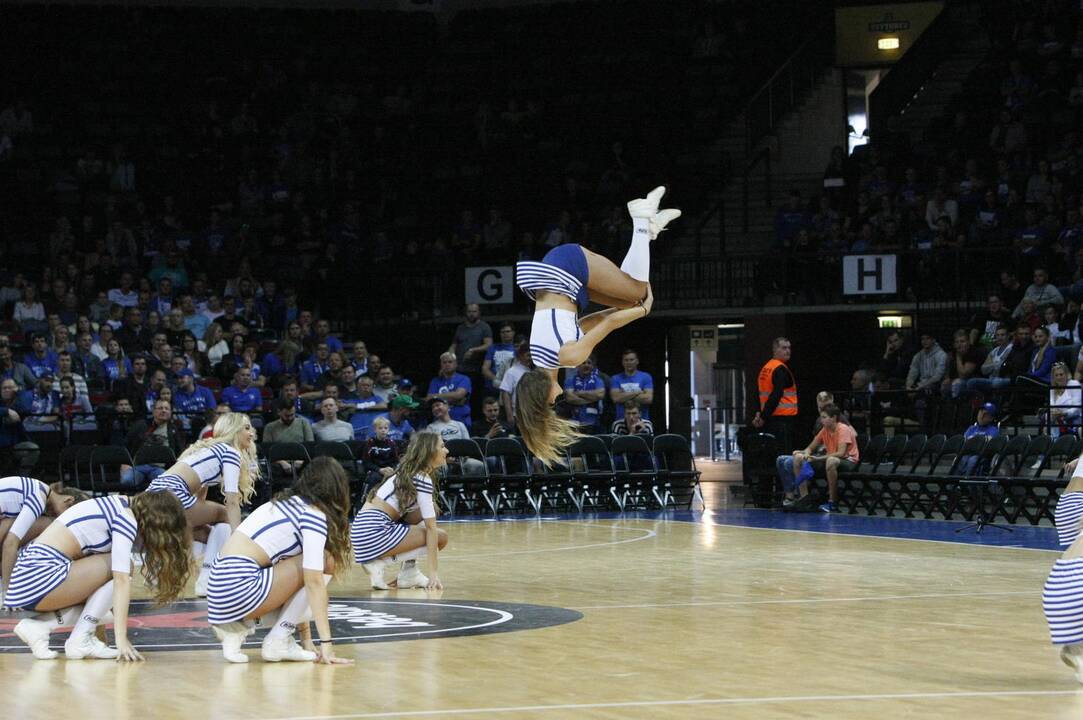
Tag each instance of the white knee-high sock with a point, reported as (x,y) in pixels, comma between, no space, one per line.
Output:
(411,555)
(216,540)
(60,618)
(199,549)
(637,263)
(97,605)
(290,615)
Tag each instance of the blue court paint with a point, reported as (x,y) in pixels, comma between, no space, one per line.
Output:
(1022,536)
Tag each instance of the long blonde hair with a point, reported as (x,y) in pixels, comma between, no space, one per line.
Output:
(325,485)
(167,543)
(545,434)
(225,432)
(417,460)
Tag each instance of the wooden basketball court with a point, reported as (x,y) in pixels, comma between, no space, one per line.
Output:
(679,618)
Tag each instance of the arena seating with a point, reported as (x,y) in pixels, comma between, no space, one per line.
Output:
(916,476)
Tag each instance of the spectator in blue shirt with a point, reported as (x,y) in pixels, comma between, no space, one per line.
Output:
(311,370)
(453,387)
(790,220)
(632,384)
(400,428)
(323,335)
(1043,356)
(585,391)
(986,425)
(17,452)
(242,395)
(194,321)
(191,400)
(499,358)
(40,359)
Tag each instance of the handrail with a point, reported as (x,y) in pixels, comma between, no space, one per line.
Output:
(815,38)
(911,72)
(763,155)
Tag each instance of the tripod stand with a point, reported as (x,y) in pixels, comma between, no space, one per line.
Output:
(977,488)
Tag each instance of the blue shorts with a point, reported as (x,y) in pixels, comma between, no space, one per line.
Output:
(571,259)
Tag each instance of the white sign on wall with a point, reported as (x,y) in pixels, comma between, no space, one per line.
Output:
(489,285)
(869,275)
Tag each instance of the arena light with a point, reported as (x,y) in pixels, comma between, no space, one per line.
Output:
(893,319)
(887,43)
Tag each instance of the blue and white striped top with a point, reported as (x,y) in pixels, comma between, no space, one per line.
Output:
(284,528)
(102,525)
(217,464)
(532,276)
(424,488)
(22,498)
(1067,516)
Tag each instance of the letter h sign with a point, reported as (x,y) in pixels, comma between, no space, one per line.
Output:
(868,275)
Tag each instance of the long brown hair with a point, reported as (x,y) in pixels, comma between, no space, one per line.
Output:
(417,460)
(545,434)
(324,485)
(167,543)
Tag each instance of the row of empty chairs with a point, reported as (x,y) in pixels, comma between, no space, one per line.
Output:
(930,476)
(610,472)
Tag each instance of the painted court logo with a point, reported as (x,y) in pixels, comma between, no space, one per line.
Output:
(183,625)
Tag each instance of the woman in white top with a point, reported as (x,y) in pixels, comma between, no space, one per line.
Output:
(1065,401)
(398,520)
(29,312)
(80,567)
(227,458)
(280,561)
(215,344)
(27,506)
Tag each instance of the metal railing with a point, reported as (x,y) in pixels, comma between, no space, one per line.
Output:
(786,87)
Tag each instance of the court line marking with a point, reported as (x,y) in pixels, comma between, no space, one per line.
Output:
(695,702)
(649,534)
(863,535)
(867,598)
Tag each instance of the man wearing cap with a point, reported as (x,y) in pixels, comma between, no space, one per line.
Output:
(453,387)
(986,425)
(41,405)
(191,400)
(442,423)
(401,429)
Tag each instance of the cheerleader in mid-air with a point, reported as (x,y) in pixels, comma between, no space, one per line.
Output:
(27,506)
(567,279)
(80,567)
(398,520)
(276,567)
(227,458)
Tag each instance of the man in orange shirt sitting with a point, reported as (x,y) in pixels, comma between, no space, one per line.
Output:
(836,444)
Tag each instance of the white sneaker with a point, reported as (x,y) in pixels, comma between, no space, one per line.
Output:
(411,577)
(647,207)
(35,633)
(375,569)
(88,646)
(662,218)
(1072,656)
(232,636)
(287,648)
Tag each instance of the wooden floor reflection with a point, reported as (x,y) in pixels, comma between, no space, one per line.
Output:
(679,619)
